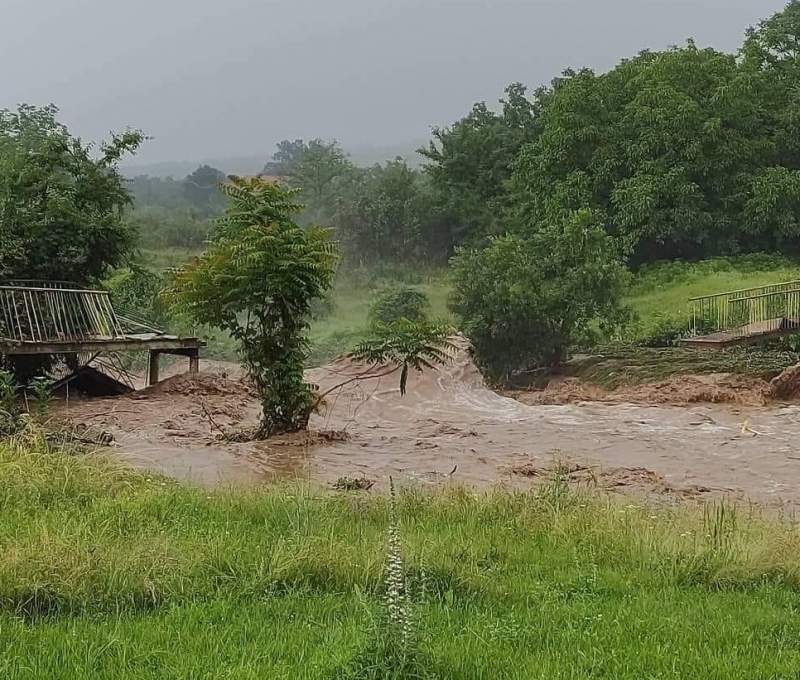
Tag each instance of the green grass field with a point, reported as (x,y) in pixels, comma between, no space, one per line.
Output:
(105,573)
(165,258)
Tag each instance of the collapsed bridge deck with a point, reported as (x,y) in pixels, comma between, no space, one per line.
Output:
(55,318)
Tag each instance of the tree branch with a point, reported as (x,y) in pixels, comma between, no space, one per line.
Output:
(360,376)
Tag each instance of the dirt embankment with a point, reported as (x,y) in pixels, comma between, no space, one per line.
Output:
(712,388)
(450,428)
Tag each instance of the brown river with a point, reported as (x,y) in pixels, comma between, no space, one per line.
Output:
(451,429)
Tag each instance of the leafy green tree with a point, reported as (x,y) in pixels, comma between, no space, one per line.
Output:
(525,302)
(61,202)
(315,173)
(286,158)
(770,59)
(385,214)
(773,47)
(471,162)
(175,213)
(683,153)
(202,190)
(161,192)
(675,151)
(257,281)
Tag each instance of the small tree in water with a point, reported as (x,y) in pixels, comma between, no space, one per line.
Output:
(257,281)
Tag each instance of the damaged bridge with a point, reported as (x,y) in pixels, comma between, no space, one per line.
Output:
(745,317)
(61,319)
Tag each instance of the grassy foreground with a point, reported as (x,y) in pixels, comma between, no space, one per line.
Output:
(105,573)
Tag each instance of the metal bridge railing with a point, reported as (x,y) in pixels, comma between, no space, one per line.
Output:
(749,311)
(38,311)
(42,283)
(134,322)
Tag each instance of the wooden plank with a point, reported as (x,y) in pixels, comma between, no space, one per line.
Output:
(166,344)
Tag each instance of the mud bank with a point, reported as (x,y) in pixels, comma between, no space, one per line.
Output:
(712,388)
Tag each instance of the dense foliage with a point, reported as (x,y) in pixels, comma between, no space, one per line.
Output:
(470,164)
(386,215)
(525,301)
(686,153)
(257,281)
(395,302)
(61,205)
(177,213)
(675,151)
(136,294)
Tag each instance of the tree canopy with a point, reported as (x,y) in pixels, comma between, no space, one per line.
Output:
(673,150)
(286,158)
(682,153)
(470,163)
(202,190)
(257,280)
(61,201)
(386,214)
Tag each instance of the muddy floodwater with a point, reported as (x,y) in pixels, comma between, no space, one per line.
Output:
(450,428)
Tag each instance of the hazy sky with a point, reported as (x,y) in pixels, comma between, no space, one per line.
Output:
(213,78)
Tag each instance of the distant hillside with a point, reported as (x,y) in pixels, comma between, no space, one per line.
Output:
(249,165)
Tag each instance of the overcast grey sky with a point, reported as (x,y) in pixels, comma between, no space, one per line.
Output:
(213,78)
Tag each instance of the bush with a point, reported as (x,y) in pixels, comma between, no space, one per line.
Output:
(665,331)
(525,302)
(322,307)
(135,292)
(176,228)
(396,302)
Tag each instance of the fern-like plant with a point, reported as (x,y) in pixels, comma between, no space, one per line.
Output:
(405,345)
